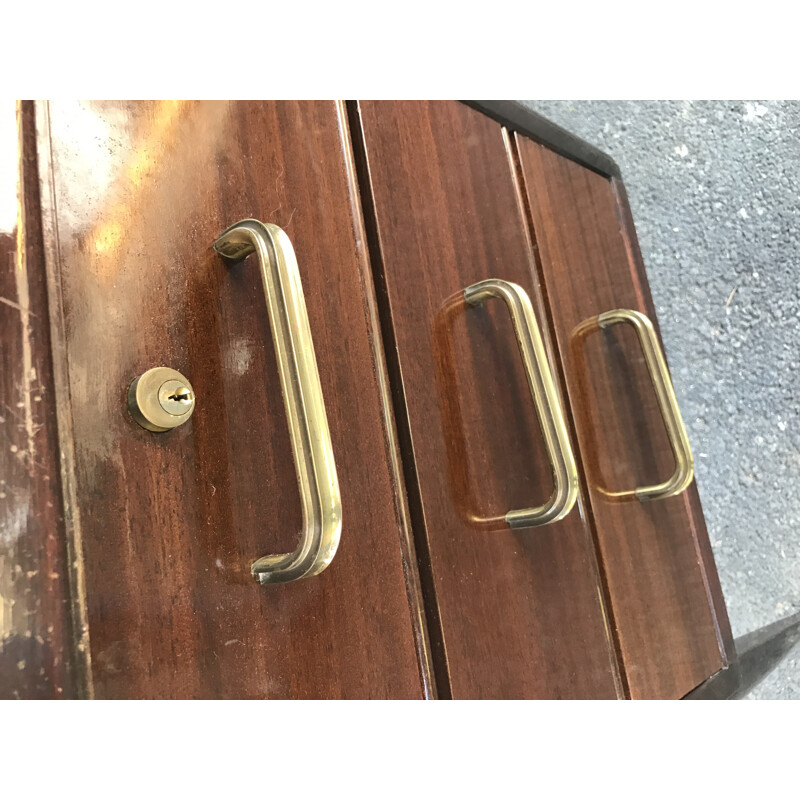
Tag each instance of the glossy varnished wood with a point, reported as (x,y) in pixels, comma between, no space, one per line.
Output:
(513,613)
(170,523)
(711,576)
(36,653)
(661,578)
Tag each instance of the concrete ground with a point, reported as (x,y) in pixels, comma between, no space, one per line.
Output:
(715,193)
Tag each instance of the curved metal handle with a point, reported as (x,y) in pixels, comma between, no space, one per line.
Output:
(545,398)
(667,402)
(302,397)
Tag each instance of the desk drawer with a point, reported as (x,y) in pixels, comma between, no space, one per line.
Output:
(515,613)
(667,604)
(620,596)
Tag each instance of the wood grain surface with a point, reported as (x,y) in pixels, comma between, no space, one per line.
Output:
(514,614)
(36,653)
(711,576)
(171,522)
(671,634)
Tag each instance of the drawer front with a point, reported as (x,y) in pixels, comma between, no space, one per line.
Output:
(514,613)
(665,596)
(168,524)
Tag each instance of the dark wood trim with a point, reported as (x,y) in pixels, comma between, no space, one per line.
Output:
(521,119)
(760,651)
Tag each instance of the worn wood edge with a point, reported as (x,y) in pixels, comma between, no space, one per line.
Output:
(521,119)
(760,652)
(391,442)
(554,355)
(722,685)
(705,556)
(396,387)
(30,230)
(63,400)
(47,611)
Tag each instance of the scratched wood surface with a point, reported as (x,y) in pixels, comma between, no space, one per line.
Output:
(673,630)
(171,522)
(35,628)
(514,614)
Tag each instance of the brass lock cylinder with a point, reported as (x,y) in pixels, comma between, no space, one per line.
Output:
(161,399)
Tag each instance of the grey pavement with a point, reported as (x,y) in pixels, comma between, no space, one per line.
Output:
(715,191)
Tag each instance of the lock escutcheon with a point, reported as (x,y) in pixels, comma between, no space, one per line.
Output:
(161,399)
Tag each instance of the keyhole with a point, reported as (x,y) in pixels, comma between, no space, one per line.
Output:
(181,396)
(176,397)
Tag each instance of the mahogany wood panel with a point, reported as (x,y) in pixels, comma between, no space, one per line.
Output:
(660,586)
(724,633)
(171,522)
(35,628)
(515,614)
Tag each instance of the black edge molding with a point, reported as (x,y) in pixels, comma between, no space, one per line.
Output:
(759,652)
(521,119)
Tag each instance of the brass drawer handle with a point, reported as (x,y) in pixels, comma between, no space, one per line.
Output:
(665,394)
(545,398)
(302,398)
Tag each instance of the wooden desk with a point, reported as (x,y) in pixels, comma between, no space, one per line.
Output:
(125,557)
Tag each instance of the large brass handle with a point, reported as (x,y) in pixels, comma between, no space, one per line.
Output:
(667,402)
(545,398)
(302,397)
